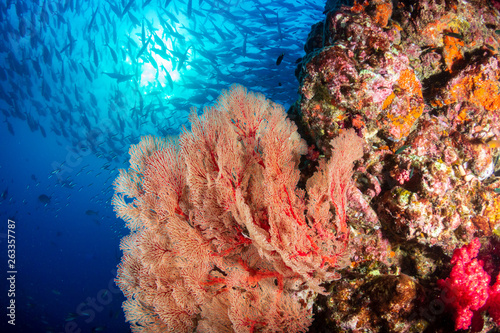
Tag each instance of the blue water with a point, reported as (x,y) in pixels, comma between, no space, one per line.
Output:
(79,82)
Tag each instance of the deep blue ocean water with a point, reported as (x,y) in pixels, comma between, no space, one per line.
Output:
(80,81)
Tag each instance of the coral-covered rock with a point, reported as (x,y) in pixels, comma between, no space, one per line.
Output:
(358,80)
(476,85)
(375,303)
(419,80)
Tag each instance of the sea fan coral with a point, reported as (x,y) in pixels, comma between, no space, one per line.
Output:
(222,239)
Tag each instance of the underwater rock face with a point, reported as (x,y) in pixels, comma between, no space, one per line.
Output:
(377,300)
(358,80)
(420,82)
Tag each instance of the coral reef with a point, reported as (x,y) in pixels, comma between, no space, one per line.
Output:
(419,81)
(245,225)
(222,239)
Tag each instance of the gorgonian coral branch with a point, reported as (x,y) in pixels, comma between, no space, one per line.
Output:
(222,238)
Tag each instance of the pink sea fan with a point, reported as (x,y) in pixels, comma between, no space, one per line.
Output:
(222,238)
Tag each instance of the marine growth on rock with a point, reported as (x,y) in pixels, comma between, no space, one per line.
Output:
(419,81)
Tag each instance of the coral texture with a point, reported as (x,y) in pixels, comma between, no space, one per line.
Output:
(493,305)
(467,289)
(420,82)
(468,285)
(222,238)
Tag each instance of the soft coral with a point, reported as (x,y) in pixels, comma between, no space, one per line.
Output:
(467,286)
(494,301)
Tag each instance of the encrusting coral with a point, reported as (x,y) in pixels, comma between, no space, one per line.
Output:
(419,81)
(222,238)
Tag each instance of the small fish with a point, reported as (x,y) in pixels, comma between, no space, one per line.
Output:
(113,53)
(159,41)
(127,7)
(146,3)
(71,316)
(10,128)
(189,8)
(96,55)
(401,149)
(494,144)
(183,59)
(144,46)
(491,48)
(93,19)
(161,53)
(87,72)
(280,59)
(4,194)
(42,130)
(45,199)
(454,35)
(119,77)
(244,47)
(143,33)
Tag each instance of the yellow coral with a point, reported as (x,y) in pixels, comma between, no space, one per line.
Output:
(492,212)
